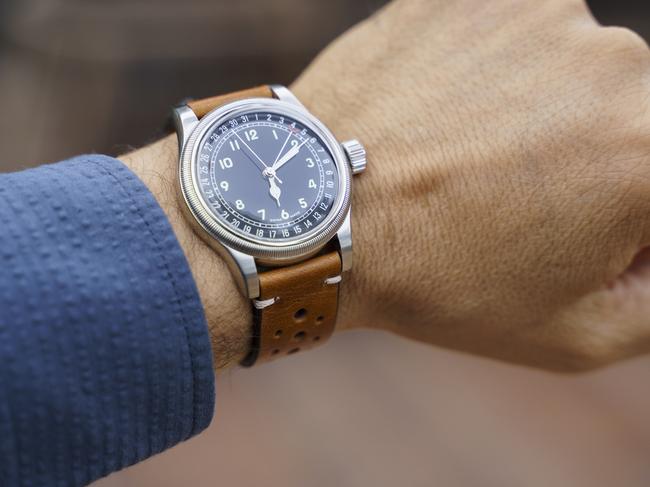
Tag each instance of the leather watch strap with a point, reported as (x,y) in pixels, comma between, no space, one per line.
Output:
(298,304)
(296,309)
(205,105)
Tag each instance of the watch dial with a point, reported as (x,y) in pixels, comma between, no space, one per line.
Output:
(267,176)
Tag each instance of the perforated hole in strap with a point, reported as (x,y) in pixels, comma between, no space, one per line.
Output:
(296,309)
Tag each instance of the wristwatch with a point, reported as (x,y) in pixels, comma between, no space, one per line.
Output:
(268,186)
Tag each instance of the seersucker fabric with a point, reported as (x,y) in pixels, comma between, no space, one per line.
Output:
(105,357)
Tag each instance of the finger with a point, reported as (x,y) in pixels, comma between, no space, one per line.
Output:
(610,324)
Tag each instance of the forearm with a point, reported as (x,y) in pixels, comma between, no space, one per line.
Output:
(227,312)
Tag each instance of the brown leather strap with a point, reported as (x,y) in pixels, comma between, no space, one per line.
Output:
(302,315)
(205,105)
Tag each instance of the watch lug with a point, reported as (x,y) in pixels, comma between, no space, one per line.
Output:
(283,93)
(344,238)
(185,121)
(244,269)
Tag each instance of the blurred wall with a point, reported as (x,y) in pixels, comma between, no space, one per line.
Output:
(86,75)
(79,76)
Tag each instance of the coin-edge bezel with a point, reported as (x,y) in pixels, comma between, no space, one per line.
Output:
(283,250)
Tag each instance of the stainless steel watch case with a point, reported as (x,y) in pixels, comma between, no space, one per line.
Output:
(243,254)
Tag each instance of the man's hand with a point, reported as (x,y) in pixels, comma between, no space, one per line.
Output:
(508,187)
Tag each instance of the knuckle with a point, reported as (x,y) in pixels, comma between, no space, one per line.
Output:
(588,341)
(578,359)
(572,9)
(626,43)
(614,65)
(576,347)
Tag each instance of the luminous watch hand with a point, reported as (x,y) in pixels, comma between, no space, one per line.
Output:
(258,157)
(274,191)
(291,153)
(282,148)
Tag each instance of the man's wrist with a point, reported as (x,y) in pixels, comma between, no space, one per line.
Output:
(227,312)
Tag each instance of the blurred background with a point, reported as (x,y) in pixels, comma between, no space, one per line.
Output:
(369,409)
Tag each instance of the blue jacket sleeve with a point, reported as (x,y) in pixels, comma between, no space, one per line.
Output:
(105,358)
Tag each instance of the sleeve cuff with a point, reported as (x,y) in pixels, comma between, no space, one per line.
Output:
(102,333)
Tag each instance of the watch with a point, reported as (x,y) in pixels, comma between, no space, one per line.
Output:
(268,186)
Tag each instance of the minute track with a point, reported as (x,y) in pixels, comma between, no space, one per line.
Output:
(238,191)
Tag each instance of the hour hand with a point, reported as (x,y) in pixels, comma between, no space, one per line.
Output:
(274,191)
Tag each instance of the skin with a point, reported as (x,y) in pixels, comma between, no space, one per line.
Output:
(506,204)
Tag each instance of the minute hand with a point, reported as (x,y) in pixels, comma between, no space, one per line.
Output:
(291,153)
(258,158)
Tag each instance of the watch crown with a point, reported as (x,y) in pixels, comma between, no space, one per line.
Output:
(356,155)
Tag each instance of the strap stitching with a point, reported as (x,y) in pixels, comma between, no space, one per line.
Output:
(264,303)
(333,280)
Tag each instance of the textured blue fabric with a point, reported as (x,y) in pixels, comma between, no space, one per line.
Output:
(104,353)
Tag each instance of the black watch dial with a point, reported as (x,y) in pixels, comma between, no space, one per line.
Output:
(267,176)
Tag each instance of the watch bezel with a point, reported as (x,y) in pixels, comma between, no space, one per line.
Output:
(289,249)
